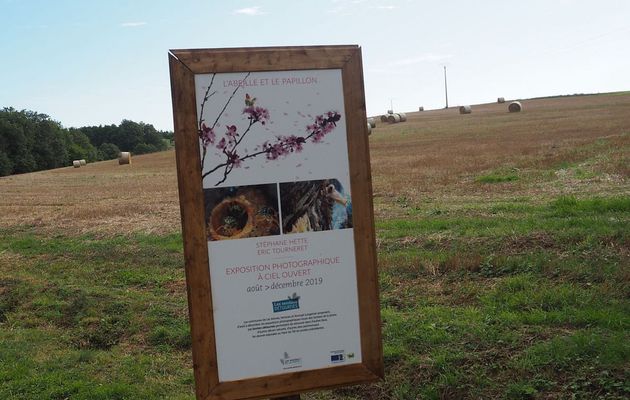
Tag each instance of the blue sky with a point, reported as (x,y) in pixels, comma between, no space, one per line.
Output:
(97,62)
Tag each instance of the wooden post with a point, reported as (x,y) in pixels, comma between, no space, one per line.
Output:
(294,397)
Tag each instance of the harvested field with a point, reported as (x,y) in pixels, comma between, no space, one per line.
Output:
(102,198)
(438,155)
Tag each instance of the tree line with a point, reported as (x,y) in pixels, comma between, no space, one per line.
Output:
(30,141)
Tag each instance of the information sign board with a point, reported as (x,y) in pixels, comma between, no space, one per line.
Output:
(276,203)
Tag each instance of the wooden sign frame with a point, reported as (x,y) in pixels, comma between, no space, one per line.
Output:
(184,65)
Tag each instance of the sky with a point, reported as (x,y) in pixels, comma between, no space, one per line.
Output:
(102,61)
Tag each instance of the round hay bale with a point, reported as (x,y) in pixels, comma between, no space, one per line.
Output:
(515,106)
(403,117)
(501,100)
(124,158)
(83,162)
(390,112)
(465,110)
(383,118)
(372,122)
(369,128)
(420,108)
(76,163)
(393,118)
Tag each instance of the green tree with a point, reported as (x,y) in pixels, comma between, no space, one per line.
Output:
(129,135)
(137,137)
(152,138)
(100,134)
(168,136)
(143,148)
(49,147)
(31,141)
(79,146)
(6,166)
(15,143)
(108,151)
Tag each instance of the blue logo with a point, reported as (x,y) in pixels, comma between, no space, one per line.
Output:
(292,303)
(336,358)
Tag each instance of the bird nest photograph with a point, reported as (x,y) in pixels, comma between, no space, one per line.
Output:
(318,205)
(239,212)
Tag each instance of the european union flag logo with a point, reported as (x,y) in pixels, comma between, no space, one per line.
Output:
(336,358)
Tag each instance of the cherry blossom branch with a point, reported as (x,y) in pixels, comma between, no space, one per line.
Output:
(201,120)
(205,99)
(228,163)
(251,123)
(206,134)
(283,146)
(229,100)
(227,171)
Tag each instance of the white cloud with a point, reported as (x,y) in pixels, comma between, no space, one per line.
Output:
(133,24)
(385,7)
(250,11)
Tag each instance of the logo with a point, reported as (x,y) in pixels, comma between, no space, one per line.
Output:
(290,362)
(291,303)
(338,356)
(335,358)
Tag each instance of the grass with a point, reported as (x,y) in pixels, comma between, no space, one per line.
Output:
(64,333)
(496,178)
(502,246)
(514,299)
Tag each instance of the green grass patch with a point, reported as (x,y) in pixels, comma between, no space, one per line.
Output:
(609,351)
(565,218)
(87,318)
(569,205)
(592,364)
(511,299)
(524,299)
(475,296)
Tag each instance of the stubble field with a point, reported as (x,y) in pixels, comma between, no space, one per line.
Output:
(504,256)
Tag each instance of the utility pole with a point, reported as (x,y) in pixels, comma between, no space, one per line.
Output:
(445,87)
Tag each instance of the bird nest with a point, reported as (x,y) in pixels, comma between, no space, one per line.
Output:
(247,214)
(232,218)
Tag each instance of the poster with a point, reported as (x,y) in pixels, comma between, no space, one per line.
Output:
(278,218)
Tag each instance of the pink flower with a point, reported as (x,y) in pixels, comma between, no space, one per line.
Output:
(284,146)
(231,135)
(257,114)
(294,143)
(221,144)
(207,135)
(234,159)
(231,131)
(323,125)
